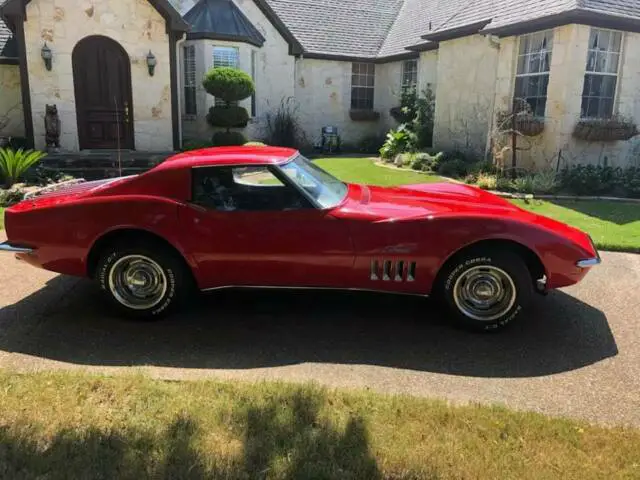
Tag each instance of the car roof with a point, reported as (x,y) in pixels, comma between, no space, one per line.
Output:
(238,155)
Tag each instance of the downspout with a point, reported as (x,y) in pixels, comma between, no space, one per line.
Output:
(179,80)
(494,42)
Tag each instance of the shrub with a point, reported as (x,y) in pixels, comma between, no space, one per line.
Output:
(588,179)
(630,181)
(196,145)
(483,166)
(545,181)
(398,141)
(228,116)
(416,113)
(283,129)
(523,184)
(221,139)
(371,144)
(229,84)
(11,197)
(453,168)
(255,144)
(504,184)
(487,181)
(423,161)
(14,163)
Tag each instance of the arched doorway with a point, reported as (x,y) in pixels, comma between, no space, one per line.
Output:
(102,83)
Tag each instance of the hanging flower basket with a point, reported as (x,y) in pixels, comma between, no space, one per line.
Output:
(364,115)
(606,130)
(525,124)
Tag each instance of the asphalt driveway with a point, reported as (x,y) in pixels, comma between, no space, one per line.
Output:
(577,353)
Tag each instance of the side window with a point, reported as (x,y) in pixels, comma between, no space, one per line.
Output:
(243,189)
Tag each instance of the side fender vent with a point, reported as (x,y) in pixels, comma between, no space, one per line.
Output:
(388,270)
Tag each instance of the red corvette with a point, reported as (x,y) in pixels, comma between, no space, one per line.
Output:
(268,217)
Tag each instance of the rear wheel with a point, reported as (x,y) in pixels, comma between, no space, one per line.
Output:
(142,281)
(485,291)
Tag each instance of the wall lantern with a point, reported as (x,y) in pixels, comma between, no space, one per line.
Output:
(46,56)
(151,63)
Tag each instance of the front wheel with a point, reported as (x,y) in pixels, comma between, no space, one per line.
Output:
(486,291)
(144,281)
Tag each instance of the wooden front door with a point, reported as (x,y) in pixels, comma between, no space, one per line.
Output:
(102,82)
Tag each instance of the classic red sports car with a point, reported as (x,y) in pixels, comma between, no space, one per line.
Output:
(268,217)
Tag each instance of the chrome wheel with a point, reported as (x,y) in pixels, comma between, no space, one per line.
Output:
(137,282)
(484,293)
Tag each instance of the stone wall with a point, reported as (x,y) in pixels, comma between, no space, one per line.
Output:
(564,97)
(11,115)
(137,26)
(466,81)
(323,91)
(274,75)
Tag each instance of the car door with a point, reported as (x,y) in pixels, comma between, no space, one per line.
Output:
(246,227)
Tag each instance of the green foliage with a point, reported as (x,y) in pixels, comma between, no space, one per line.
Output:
(255,144)
(196,145)
(283,129)
(416,112)
(43,176)
(228,116)
(504,184)
(589,179)
(487,181)
(456,168)
(11,196)
(545,182)
(229,84)
(14,163)
(630,181)
(370,144)
(523,184)
(398,141)
(222,139)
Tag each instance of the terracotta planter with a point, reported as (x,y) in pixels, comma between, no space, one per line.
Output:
(604,130)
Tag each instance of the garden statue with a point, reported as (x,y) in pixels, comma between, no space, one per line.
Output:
(52,127)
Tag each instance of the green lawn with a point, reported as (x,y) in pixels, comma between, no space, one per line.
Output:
(612,225)
(55,425)
(363,170)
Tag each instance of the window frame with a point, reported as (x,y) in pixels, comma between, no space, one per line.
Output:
(370,72)
(540,73)
(254,71)
(615,75)
(218,102)
(188,78)
(414,73)
(308,202)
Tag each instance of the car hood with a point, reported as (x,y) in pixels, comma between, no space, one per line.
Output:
(425,200)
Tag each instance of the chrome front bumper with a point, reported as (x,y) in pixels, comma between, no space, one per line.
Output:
(7,247)
(589,262)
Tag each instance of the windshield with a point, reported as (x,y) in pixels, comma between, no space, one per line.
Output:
(324,188)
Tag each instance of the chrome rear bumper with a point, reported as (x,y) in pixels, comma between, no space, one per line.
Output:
(7,247)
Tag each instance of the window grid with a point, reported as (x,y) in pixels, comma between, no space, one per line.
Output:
(601,73)
(225,57)
(409,74)
(532,73)
(362,85)
(190,107)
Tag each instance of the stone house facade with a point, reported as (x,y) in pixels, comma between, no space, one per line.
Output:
(127,75)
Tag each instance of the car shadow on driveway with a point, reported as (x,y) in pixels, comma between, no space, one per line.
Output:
(245,329)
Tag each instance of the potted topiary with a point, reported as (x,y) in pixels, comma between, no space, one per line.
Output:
(229,85)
